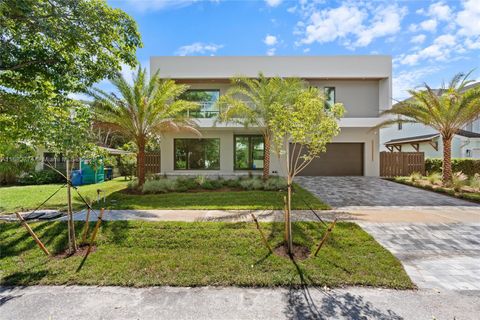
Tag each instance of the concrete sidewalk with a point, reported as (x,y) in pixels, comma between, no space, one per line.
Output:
(82,302)
(355,214)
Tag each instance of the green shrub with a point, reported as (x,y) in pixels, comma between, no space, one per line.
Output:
(434,178)
(217,184)
(127,165)
(42,177)
(232,183)
(414,177)
(159,186)
(467,166)
(275,183)
(459,179)
(251,184)
(186,183)
(16,160)
(475,182)
(132,185)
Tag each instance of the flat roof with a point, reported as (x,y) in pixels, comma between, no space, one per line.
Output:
(306,67)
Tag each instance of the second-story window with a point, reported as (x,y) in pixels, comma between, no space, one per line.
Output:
(206,99)
(329,96)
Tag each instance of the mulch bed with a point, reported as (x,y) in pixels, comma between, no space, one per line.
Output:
(82,250)
(299,252)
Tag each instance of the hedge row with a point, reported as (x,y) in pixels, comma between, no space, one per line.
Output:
(467,166)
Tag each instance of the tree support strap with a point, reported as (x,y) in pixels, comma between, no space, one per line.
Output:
(261,233)
(327,233)
(50,197)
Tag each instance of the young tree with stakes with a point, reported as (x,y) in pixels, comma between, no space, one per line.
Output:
(307,124)
(70,135)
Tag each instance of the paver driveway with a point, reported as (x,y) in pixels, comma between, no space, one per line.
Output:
(371,191)
(441,256)
(436,237)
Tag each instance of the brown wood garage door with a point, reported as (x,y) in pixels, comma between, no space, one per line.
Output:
(341,159)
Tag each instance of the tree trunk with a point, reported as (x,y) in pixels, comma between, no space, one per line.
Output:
(447,160)
(72,244)
(141,162)
(266,160)
(288,221)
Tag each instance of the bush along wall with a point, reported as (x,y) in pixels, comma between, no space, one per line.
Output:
(467,166)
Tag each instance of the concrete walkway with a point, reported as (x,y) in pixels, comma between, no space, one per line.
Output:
(74,302)
(364,214)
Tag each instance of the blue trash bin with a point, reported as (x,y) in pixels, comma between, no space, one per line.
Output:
(76,177)
(108,173)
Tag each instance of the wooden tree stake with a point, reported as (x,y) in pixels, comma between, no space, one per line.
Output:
(329,230)
(261,233)
(87,225)
(34,236)
(285,218)
(94,234)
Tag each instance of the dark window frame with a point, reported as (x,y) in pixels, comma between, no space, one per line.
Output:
(334,94)
(196,139)
(250,151)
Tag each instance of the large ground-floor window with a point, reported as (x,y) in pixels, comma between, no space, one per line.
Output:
(249,152)
(197,154)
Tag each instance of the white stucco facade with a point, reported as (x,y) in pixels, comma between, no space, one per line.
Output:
(362,84)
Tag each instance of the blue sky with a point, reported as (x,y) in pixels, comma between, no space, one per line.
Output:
(428,40)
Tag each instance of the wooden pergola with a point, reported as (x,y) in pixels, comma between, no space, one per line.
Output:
(396,144)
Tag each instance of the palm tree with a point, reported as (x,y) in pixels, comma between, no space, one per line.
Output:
(249,102)
(446,110)
(144,110)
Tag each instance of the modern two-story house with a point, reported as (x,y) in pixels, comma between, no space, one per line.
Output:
(361,83)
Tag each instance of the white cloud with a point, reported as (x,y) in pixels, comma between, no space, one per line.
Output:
(429,25)
(386,21)
(440,11)
(418,39)
(409,79)
(273,3)
(351,19)
(468,19)
(270,40)
(271,51)
(439,50)
(331,24)
(198,48)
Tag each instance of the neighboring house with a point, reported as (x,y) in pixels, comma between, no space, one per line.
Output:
(361,83)
(410,137)
(46,158)
(465,144)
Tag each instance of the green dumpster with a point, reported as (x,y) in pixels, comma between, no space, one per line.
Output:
(92,171)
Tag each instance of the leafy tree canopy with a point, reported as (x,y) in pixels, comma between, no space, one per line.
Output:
(61,46)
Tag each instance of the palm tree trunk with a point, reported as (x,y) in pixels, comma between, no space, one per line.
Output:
(266,160)
(141,162)
(447,160)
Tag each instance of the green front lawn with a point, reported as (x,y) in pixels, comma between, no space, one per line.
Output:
(133,253)
(20,198)
(29,197)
